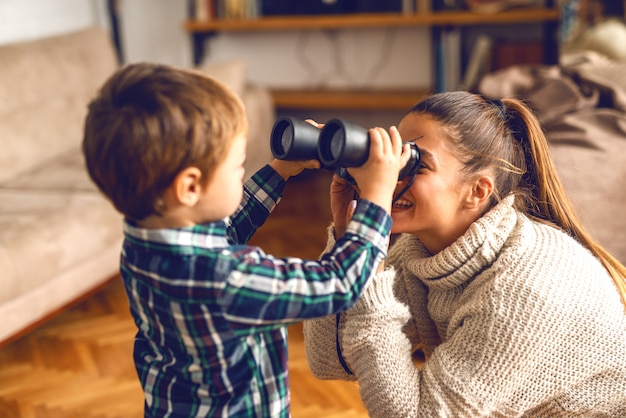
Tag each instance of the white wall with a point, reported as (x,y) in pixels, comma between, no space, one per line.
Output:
(152,30)
(392,57)
(397,57)
(22,20)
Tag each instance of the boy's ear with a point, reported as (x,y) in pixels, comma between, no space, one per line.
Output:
(187,186)
(480,193)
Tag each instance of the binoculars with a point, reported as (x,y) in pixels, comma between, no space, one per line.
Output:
(337,145)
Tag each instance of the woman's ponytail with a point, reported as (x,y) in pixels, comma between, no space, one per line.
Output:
(546,200)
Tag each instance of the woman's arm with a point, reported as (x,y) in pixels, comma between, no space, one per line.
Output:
(379,353)
(320,338)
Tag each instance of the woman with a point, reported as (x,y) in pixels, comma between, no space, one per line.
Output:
(518,310)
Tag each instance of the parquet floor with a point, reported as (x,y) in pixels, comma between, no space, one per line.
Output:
(79,364)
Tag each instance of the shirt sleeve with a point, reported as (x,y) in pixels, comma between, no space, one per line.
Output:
(265,291)
(261,194)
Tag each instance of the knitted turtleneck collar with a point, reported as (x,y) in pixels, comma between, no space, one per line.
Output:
(477,248)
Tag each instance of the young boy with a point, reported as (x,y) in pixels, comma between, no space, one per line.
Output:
(167,146)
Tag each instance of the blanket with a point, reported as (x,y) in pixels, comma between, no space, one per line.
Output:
(581,104)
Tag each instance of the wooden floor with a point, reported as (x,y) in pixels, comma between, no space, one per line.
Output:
(79,364)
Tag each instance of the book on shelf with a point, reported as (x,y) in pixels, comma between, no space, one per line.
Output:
(452,58)
(479,62)
(202,9)
(447,56)
(423,6)
(408,7)
(238,9)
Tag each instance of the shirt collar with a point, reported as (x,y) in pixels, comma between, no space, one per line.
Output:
(210,235)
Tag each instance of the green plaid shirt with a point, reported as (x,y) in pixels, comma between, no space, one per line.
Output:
(211,312)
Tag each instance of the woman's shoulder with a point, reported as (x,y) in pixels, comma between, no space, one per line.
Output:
(550,241)
(544,260)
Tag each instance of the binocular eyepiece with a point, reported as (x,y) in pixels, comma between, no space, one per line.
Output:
(337,145)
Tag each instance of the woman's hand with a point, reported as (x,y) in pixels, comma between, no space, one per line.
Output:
(342,204)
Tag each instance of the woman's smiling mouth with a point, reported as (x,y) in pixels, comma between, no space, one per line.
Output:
(402,204)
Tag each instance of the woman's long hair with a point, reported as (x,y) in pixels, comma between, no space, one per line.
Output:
(506,136)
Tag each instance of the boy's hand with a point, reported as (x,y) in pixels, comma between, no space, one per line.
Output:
(288,169)
(378,177)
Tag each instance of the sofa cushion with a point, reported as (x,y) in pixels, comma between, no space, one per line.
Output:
(55,215)
(259,106)
(65,173)
(231,72)
(43,233)
(261,117)
(46,85)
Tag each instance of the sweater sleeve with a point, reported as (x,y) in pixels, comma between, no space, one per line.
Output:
(379,352)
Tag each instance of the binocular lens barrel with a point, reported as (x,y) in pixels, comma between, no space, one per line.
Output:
(337,145)
(293,139)
(335,150)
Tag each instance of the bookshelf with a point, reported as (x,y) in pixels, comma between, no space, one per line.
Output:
(201,30)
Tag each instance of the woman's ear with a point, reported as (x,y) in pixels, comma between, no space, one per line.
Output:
(187,186)
(482,190)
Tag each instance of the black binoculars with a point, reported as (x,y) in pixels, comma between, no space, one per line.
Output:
(337,145)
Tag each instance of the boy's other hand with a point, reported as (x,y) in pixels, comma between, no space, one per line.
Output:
(288,169)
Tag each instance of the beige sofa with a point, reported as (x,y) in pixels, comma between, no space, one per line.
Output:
(59,238)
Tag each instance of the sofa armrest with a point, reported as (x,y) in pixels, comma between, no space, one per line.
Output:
(261,116)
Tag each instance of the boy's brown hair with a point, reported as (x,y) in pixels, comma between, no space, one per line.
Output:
(151,121)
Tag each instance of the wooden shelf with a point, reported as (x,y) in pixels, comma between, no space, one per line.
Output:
(367,20)
(372,99)
(338,99)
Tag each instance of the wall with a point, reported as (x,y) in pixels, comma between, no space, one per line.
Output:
(396,57)
(152,30)
(391,57)
(22,20)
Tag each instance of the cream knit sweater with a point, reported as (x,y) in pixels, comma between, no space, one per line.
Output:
(516,317)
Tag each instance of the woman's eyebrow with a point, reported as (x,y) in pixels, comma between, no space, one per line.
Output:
(428,157)
(425,155)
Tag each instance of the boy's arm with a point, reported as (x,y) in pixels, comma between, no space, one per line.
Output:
(262,291)
(261,194)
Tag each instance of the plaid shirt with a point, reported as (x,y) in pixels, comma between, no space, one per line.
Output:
(211,312)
